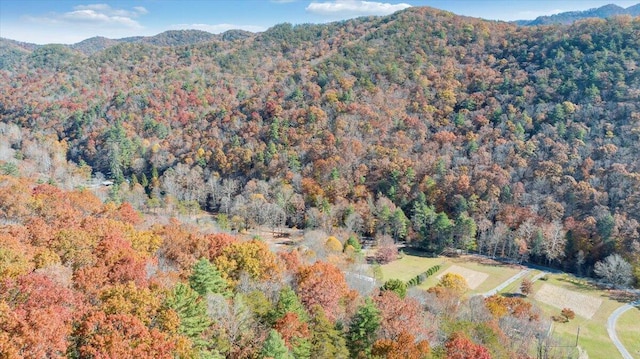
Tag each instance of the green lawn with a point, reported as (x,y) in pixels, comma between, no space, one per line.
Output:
(411,265)
(515,286)
(498,273)
(628,329)
(593,332)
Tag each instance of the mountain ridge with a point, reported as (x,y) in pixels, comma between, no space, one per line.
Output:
(526,131)
(569,17)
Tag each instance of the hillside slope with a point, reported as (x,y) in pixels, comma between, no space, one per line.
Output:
(441,130)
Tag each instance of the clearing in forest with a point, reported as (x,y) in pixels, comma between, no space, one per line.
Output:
(583,305)
(473,278)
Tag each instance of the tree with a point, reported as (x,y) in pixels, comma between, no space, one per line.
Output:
(397,286)
(459,346)
(288,302)
(554,244)
(103,335)
(386,251)
(321,284)
(362,331)
(274,347)
(615,270)
(326,340)
(253,258)
(295,334)
(454,282)
(397,314)
(526,286)
(36,317)
(404,347)
(191,310)
(205,278)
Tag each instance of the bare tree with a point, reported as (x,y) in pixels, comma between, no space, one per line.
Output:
(555,240)
(615,270)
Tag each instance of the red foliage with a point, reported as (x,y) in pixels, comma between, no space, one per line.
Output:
(404,347)
(217,242)
(122,336)
(399,314)
(36,317)
(459,346)
(117,262)
(290,327)
(127,214)
(290,259)
(323,284)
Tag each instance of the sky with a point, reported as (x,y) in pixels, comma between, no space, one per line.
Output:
(70,21)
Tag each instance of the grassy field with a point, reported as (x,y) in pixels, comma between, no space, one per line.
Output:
(593,332)
(628,329)
(515,286)
(412,264)
(593,336)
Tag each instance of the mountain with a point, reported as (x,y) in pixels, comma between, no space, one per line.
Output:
(569,17)
(431,128)
(96,44)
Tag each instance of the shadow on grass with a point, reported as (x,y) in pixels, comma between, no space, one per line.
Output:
(579,283)
(489,262)
(418,253)
(513,295)
(622,296)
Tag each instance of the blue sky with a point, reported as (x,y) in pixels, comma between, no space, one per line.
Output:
(69,21)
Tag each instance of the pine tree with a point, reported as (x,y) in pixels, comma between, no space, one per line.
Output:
(191,310)
(205,279)
(288,302)
(274,347)
(362,331)
(326,340)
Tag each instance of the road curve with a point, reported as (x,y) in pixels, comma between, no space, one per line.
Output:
(611,328)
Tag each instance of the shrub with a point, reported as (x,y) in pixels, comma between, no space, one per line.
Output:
(568,313)
(333,244)
(397,286)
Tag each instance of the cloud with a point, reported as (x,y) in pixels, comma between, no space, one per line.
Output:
(217,28)
(94,15)
(344,8)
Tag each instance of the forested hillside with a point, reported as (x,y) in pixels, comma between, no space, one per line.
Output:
(434,129)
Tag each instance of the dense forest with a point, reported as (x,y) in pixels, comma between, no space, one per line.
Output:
(83,279)
(439,130)
(423,128)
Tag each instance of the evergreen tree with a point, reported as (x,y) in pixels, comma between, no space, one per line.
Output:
(362,332)
(288,302)
(191,310)
(205,278)
(274,347)
(397,286)
(326,340)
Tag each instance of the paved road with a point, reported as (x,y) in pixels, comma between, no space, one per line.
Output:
(504,284)
(611,328)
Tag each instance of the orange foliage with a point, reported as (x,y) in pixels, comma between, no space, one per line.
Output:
(122,336)
(404,347)
(323,284)
(399,314)
(459,346)
(36,317)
